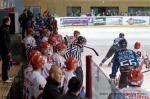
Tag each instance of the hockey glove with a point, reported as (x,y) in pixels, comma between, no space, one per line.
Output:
(112,76)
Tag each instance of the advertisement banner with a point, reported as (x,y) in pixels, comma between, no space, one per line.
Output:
(99,20)
(76,21)
(113,20)
(136,20)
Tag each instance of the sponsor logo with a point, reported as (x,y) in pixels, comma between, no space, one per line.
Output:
(132,21)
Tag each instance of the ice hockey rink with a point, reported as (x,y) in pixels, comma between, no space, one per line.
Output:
(101,38)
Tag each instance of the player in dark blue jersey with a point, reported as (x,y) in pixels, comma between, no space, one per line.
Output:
(124,59)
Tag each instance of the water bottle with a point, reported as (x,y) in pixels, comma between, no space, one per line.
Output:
(82,93)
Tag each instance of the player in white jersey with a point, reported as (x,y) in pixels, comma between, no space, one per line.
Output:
(27,93)
(37,79)
(71,65)
(134,91)
(46,34)
(48,60)
(58,36)
(53,41)
(141,55)
(58,56)
(27,89)
(72,39)
(29,40)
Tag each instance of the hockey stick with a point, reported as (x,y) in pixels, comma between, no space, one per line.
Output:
(146,71)
(93,50)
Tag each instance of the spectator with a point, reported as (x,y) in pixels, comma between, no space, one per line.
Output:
(51,90)
(23,22)
(74,87)
(29,17)
(5,50)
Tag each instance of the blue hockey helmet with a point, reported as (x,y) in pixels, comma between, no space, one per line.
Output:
(121,35)
(123,43)
(81,40)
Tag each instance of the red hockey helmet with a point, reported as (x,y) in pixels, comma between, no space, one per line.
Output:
(44,45)
(52,40)
(137,45)
(37,62)
(29,31)
(135,78)
(76,33)
(33,53)
(60,47)
(71,63)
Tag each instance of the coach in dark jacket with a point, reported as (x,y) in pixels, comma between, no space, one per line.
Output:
(51,90)
(74,87)
(5,47)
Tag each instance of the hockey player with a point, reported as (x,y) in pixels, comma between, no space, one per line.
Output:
(135,80)
(45,34)
(124,59)
(75,51)
(72,39)
(112,49)
(48,60)
(58,36)
(141,55)
(29,41)
(27,89)
(58,56)
(53,40)
(38,80)
(71,65)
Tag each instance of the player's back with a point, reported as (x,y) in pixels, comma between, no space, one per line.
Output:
(126,57)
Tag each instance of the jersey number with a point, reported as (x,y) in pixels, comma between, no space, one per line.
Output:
(130,62)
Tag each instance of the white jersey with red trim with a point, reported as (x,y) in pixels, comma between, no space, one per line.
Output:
(142,57)
(59,60)
(44,39)
(68,75)
(46,67)
(134,93)
(58,37)
(27,88)
(50,52)
(39,83)
(29,42)
(71,40)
